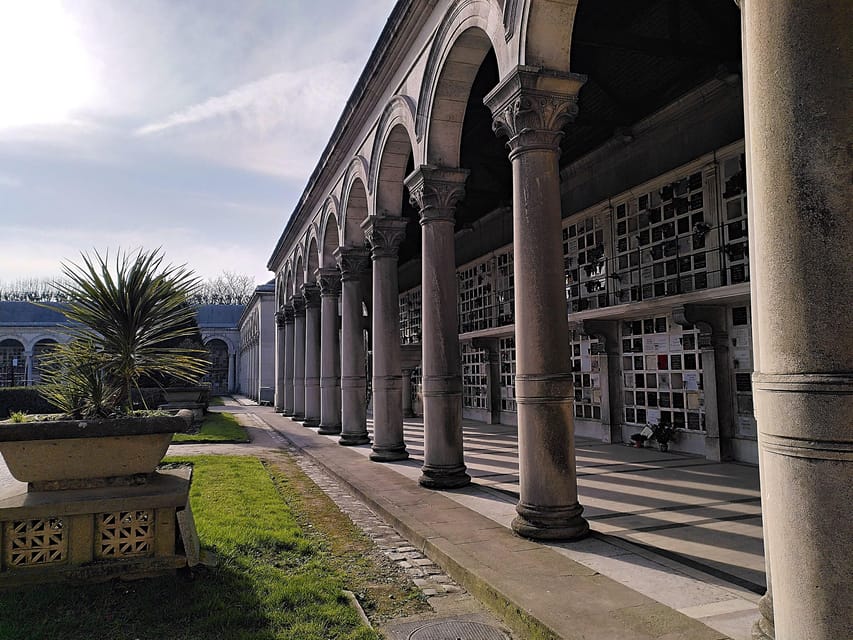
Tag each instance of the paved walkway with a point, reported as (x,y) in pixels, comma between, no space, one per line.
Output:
(676,550)
(674,534)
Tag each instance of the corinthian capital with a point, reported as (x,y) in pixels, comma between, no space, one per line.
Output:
(329,280)
(297,303)
(384,235)
(352,261)
(531,107)
(311,293)
(436,191)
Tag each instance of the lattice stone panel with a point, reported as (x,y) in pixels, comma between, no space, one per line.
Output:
(125,534)
(29,543)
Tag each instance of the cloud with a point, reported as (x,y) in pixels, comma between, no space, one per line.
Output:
(277,124)
(10,182)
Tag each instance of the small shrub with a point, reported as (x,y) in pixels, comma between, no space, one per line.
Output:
(25,400)
(19,416)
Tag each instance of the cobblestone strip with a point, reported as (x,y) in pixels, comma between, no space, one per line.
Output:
(423,572)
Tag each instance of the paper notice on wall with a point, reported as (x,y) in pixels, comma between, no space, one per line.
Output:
(573,247)
(586,365)
(675,343)
(693,401)
(649,344)
(691,380)
(741,336)
(596,396)
(595,381)
(653,416)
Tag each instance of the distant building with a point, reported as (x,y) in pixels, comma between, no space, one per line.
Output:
(28,329)
(256,327)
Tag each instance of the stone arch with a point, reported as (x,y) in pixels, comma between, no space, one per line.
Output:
(469,30)
(312,259)
(39,349)
(546,34)
(355,203)
(13,364)
(331,239)
(288,282)
(298,274)
(218,353)
(394,142)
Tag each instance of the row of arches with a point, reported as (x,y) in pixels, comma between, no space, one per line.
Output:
(20,366)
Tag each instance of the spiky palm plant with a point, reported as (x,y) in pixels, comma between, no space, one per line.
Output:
(131,310)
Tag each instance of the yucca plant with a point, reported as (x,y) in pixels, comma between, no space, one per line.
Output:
(130,312)
(76,381)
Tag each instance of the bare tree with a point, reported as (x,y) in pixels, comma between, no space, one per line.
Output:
(31,290)
(228,287)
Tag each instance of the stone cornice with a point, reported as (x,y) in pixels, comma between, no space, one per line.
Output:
(531,107)
(436,191)
(406,20)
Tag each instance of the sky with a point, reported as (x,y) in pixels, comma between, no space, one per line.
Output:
(191,125)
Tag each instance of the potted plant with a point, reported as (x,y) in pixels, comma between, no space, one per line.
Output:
(95,465)
(664,433)
(126,314)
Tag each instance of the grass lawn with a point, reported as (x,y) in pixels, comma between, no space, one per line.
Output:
(217,401)
(217,427)
(277,578)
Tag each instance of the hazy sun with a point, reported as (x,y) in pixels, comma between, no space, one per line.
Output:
(45,70)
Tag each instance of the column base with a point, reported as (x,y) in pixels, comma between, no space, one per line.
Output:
(287,414)
(389,454)
(763,628)
(353,439)
(330,430)
(444,477)
(297,417)
(311,423)
(550,523)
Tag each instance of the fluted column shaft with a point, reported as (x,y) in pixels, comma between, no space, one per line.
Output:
(279,360)
(531,108)
(330,352)
(436,191)
(352,263)
(287,409)
(798,61)
(311,292)
(298,304)
(384,236)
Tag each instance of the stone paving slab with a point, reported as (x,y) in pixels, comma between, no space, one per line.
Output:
(535,584)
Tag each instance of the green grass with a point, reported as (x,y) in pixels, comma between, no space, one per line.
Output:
(217,401)
(217,427)
(274,580)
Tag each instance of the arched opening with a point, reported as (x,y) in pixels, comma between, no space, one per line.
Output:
(217,375)
(313,261)
(299,276)
(355,213)
(40,350)
(13,366)
(330,242)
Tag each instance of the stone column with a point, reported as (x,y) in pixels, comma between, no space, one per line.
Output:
(798,60)
(28,368)
(531,108)
(279,360)
(384,236)
(298,304)
(352,261)
(311,293)
(232,367)
(436,191)
(288,360)
(330,352)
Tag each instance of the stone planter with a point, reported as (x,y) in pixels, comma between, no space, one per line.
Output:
(89,504)
(196,399)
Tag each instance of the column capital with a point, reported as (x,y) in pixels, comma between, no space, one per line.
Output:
(287,313)
(297,303)
(531,107)
(329,279)
(352,261)
(436,191)
(311,293)
(280,319)
(384,235)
